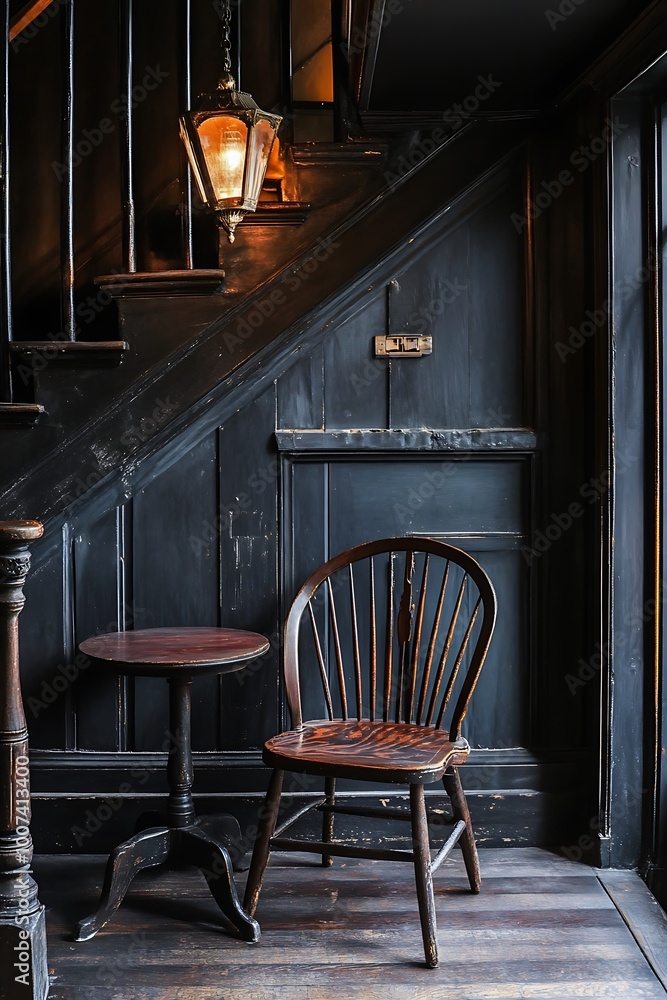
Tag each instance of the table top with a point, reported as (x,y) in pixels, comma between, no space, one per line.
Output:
(165,651)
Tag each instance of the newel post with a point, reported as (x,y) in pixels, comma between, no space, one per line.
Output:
(23,966)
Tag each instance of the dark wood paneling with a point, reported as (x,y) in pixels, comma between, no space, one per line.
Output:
(249,475)
(499,712)
(496,315)
(98,599)
(305,547)
(374,499)
(356,390)
(624,713)
(432,298)
(563,289)
(176,581)
(301,392)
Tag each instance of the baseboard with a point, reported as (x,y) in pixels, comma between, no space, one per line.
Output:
(89,802)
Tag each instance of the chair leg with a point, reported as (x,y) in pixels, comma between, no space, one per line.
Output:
(423,876)
(452,783)
(328,818)
(262,848)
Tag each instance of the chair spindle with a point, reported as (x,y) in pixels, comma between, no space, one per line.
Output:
(457,664)
(431,646)
(339,654)
(355,639)
(416,645)
(389,648)
(373,692)
(404,631)
(320,660)
(445,652)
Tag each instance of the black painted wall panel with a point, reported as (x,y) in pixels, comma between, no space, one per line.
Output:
(300,392)
(496,318)
(305,546)
(176,581)
(432,298)
(356,382)
(499,712)
(249,475)
(97,601)
(571,465)
(373,499)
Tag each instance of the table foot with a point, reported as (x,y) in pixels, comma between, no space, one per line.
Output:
(214,862)
(144,850)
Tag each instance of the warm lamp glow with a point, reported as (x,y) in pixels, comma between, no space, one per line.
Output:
(229,142)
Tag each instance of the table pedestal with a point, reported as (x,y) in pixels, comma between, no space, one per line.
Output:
(183,841)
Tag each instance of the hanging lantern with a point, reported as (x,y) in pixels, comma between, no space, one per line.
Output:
(228,141)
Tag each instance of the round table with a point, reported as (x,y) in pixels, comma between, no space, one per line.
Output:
(179,655)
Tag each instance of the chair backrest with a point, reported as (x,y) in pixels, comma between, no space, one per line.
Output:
(394,630)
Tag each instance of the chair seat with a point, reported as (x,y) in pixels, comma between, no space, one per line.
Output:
(384,751)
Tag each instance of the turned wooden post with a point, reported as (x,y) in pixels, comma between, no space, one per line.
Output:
(23,966)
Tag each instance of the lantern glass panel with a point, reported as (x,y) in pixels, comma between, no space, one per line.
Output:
(192,157)
(223,140)
(259,149)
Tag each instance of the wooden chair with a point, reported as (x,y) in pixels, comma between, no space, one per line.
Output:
(394,634)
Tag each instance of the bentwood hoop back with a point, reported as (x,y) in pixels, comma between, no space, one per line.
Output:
(384,645)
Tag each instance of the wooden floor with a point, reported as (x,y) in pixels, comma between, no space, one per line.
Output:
(543,927)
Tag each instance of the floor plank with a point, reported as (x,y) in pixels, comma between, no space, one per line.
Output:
(543,928)
(643,915)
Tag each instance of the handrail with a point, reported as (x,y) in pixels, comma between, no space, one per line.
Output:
(26,16)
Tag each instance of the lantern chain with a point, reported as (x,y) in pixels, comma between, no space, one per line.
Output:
(226,17)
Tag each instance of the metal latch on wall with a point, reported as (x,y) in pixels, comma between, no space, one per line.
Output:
(402,346)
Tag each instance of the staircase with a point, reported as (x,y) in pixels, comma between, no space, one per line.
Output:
(123,315)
